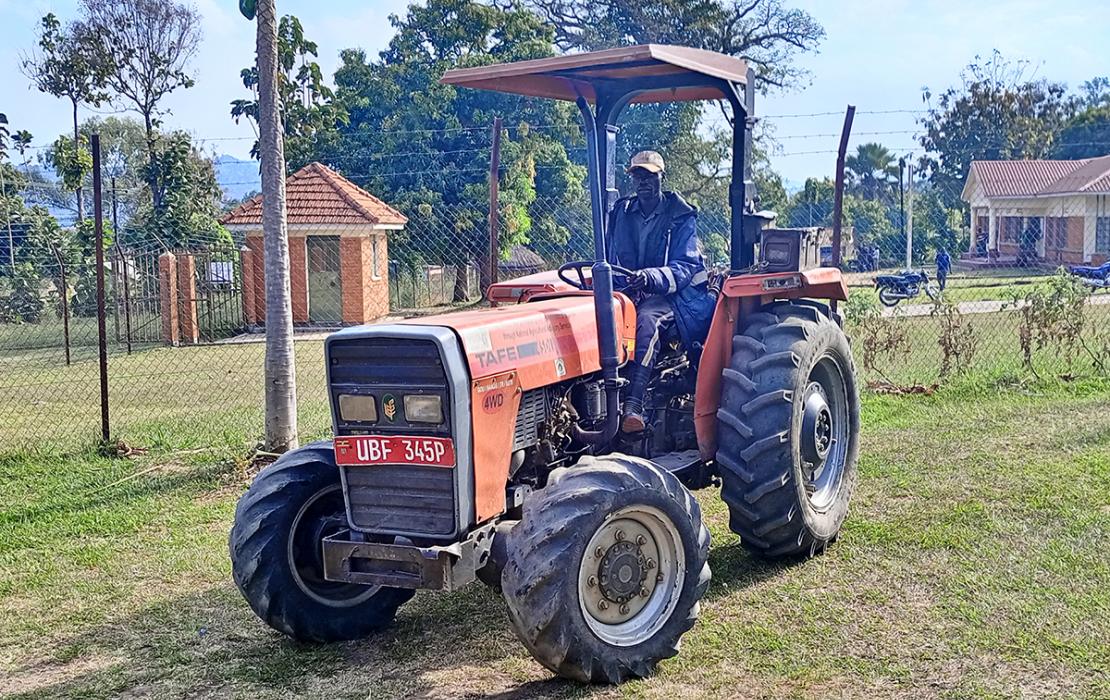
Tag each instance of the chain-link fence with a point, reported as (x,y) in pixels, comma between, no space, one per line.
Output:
(989,282)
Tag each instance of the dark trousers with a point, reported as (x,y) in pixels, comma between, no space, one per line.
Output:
(653,316)
(942,277)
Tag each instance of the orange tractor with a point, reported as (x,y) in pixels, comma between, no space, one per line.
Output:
(485,443)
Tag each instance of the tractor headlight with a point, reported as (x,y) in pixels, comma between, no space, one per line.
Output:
(423,408)
(356,407)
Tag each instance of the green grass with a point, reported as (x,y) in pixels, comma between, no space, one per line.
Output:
(188,397)
(973,564)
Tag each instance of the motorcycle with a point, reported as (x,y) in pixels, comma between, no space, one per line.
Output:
(904,285)
(1097,277)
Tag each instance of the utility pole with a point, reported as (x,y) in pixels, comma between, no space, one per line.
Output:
(280,369)
(909,216)
(902,197)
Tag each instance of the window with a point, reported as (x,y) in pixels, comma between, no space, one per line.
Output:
(1011,228)
(1056,232)
(1102,235)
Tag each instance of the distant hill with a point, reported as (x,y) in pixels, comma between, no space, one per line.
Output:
(237,177)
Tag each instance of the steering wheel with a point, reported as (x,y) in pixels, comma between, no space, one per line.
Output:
(579,267)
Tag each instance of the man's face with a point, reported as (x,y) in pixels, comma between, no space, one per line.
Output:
(648,185)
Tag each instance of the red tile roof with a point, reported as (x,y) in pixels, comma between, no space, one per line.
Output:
(316,194)
(1031,178)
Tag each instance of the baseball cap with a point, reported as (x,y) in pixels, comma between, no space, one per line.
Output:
(648,160)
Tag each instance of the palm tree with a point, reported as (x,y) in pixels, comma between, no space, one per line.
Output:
(281,385)
(874,170)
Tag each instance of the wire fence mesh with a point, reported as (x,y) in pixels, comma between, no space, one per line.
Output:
(942,283)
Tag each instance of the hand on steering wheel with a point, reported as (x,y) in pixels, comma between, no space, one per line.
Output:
(579,267)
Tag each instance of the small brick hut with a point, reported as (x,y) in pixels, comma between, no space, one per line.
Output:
(338,250)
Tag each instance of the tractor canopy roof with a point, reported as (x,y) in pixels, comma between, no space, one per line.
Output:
(667,74)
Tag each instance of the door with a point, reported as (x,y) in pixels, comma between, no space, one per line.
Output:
(325,298)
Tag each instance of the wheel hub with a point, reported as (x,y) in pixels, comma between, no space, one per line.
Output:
(620,571)
(817,426)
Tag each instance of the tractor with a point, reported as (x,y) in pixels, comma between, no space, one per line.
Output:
(486,444)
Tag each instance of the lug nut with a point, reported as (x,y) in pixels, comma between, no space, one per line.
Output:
(643,592)
(599,552)
(641,540)
(651,563)
(591,581)
(624,610)
(659,578)
(620,535)
(602,605)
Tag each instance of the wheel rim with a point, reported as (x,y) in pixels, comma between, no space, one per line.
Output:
(322,515)
(631,575)
(824,433)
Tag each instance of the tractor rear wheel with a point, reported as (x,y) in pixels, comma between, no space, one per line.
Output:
(788,430)
(606,568)
(277,558)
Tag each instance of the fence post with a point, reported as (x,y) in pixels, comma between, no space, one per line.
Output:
(65,297)
(494,208)
(246,285)
(126,272)
(101,312)
(838,195)
(167,288)
(187,299)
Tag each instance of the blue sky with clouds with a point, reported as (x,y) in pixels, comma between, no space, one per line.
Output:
(878,55)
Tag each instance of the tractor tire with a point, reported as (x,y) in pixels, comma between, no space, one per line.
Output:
(788,430)
(276,557)
(606,568)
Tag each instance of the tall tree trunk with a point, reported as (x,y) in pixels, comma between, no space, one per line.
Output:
(462,282)
(281,384)
(77,155)
(152,176)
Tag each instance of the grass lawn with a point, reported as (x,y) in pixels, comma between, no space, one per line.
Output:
(973,564)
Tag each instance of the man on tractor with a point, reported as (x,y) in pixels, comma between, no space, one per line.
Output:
(654,234)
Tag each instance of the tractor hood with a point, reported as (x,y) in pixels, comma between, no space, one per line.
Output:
(543,341)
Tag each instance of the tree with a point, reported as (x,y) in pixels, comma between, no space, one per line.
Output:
(5,135)
(425,146)
(22,141)
(873,170)
(281,377)
(143,48)
(188,199)
(73,163)
(124,161)
(307,105)
(1087,134)
(996,114)
(63,66)
(765,32)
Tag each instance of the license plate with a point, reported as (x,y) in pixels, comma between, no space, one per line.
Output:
(370,450)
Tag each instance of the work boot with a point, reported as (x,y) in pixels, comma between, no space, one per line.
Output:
(633,417)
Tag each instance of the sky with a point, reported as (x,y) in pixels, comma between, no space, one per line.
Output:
(878,55)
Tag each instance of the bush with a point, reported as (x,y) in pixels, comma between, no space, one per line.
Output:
(24,303)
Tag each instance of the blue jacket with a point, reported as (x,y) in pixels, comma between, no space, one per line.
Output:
(667,248)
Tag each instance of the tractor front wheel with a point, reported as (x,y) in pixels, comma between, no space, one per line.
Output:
(277,556)
(788,430)
(606,568)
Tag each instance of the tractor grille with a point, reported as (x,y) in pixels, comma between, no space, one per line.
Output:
(418,500)
(402,499)
(532,412)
